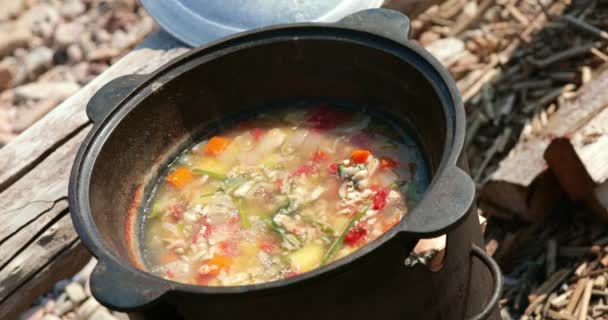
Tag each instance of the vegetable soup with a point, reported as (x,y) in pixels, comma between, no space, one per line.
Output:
(280,194)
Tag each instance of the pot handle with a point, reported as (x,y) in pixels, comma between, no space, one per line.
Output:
(384,22)
(498,282)
(111,94)
(118,289)
(444,205)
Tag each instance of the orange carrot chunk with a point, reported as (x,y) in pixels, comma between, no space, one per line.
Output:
(180,177)
(360,156)
(387,162)
(216,145)
(215,265)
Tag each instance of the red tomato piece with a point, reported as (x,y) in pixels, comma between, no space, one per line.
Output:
(290,274)
(278,184)
(333,168)
(324,117)
(257,133)
(268,246)
(176,211)
(305,169)
(360,156)
(380,199)
(229,248)
(386,162)
(319,156)
(354,235)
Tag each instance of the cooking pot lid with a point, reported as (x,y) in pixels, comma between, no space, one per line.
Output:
(197,22)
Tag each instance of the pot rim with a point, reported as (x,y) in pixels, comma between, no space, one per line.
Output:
(83,165)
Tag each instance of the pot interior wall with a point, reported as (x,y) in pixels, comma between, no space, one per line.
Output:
(245,79)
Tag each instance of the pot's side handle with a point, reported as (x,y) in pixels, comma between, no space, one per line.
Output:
(111,94)
(444,205)
(120,290)
(388,23)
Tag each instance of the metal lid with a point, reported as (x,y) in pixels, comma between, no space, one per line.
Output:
(197,22)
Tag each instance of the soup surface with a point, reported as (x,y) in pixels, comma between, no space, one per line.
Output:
(279,195)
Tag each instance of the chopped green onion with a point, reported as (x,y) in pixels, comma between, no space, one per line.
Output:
(207,195)
(339,242)
(324,227)
(243,215)
(211,174)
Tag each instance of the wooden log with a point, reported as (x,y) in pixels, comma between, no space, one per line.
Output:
(38,245)
(577,156)
(529,181)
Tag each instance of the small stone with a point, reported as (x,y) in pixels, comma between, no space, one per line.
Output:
(64,306)
(72,8)
(35,313)
(38,61)
(49,306)
(11,8)
(58,73)
(102,314)
(50,317)
(7,76)
(13,37)
(41,20)
(445,48)
(87,308)
(74,53)
(428,37)
(68,33)
(75,292)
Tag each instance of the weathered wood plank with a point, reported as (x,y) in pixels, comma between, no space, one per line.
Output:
(36,143)
(38,245)
(67,263)
(24,236)
(28,262)
(523,182)
(31,195)
(578,157)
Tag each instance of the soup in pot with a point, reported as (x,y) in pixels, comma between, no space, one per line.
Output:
(278,195)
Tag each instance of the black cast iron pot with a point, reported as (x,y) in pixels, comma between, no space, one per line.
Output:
(363,61)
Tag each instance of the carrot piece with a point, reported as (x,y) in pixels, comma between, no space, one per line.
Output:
(386,162)
(215,265)
(216,145)
(360,156)
(319,156)
(180,177)
(168,257)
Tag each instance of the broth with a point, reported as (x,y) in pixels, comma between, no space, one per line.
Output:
(279,195)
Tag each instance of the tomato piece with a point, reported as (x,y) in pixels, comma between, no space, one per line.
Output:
(360,156)
(229,248)
(290,274)
(278,184)
(386,162)
(324,117)
(333,168)
(305,169)
(354,235)
(380,199)
(169,274)
(216,145)
(176,211)
(180,177)
(319,156)
(257,133)
(268,246)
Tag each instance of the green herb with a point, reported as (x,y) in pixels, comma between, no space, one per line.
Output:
(207,195)
(214,175)
(339,242)
(324,227)
(242,214)
(290,238)
(230,185)
(155,212)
